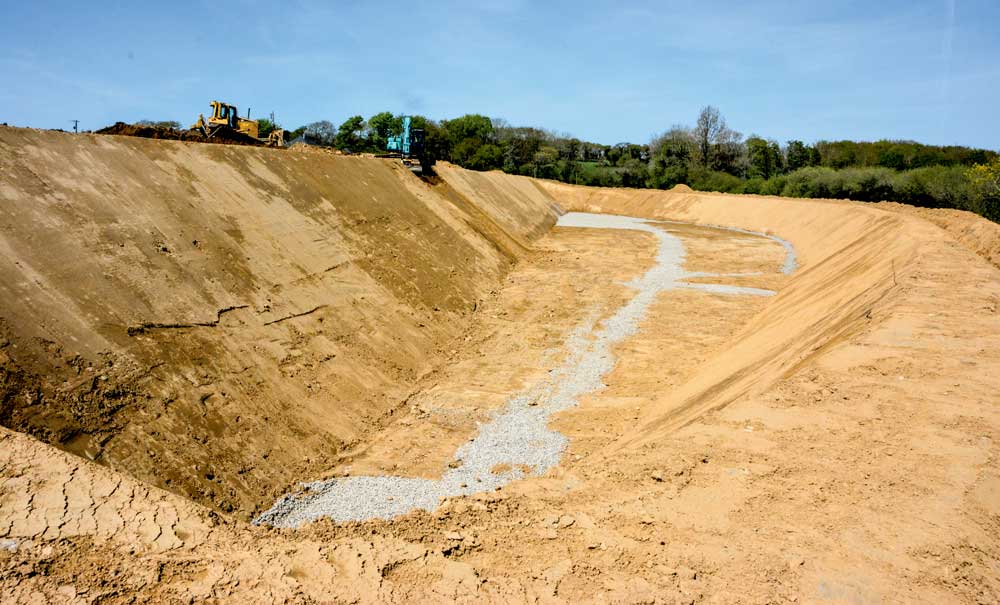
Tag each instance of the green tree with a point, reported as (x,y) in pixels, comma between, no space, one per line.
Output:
(436,143)
(634,173)
(486,157)
(796,155)
(349,135)
(710,123)
(759,158)
(728,152)
(776,158)
(815,158)
(613,154)
(623,152)
(466,135)
(672,153)
(718,146)
(544,160)
(890,155)
(986,179)
(899,155)
(463,152)
(987,176)
(381,126)
(569,148)
(470,126)
(519,146)
(265,127)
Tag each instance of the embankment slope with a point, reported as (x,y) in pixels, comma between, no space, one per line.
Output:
(859,265)
(221,320)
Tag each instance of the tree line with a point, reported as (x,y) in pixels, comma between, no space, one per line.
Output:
(707,156)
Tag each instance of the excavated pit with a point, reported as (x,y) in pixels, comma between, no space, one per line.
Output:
(670,393)
(518,437)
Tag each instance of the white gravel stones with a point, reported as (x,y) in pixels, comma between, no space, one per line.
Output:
(518,436)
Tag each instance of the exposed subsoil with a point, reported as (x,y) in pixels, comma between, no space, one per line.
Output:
(222,137)
(835,443)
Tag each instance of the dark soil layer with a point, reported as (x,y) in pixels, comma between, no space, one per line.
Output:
(223,136)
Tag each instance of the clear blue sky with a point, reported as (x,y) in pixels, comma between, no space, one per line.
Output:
(927,70)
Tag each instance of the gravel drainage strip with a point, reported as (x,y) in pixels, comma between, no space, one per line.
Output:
(517,438)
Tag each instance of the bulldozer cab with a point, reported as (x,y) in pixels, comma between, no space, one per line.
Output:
(224,114)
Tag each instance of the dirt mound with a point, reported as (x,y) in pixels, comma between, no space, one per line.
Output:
(223,136)
(137,130)
(681,188)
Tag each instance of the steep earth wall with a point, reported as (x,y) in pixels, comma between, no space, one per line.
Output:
(220,320)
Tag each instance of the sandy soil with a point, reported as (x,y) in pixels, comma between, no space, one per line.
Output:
(221,321)
(837,443)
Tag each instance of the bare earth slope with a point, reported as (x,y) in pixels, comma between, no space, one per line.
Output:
(219,320)
(853,258)
(835,443)
(982,237)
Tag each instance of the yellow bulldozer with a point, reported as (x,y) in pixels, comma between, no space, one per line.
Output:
(226,118)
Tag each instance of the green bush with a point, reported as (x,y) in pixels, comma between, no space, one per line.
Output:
(807,182)
(930,187)
(713,180)
(984,179)
(935,187)
(487,157)
(774,185)
(754,185)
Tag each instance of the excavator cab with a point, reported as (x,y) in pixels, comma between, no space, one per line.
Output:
(410,145)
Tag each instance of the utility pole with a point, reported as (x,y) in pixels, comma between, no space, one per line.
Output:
(76,125)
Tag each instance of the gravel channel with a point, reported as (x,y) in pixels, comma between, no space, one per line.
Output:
(517,437)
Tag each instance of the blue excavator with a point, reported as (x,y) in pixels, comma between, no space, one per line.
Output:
(409,145)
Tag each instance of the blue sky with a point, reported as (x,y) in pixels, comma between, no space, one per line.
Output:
(927,70)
